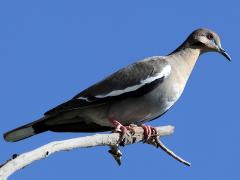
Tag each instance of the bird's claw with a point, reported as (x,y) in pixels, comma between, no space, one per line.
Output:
(149,132)
(124,131)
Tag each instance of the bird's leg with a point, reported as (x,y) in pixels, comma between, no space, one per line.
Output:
(149,132)
(123,130)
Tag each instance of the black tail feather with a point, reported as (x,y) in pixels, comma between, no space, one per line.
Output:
(26,131)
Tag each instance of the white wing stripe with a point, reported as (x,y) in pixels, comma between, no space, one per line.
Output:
(85,99)
(164,73)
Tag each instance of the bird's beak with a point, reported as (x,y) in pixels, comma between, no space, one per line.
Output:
(224,53)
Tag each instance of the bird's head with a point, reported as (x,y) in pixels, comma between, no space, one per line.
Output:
(207,41)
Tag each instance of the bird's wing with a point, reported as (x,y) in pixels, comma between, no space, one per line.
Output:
(134,80)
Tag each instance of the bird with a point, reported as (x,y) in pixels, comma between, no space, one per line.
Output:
(141,92)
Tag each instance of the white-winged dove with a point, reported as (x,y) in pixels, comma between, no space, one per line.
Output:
(138,93)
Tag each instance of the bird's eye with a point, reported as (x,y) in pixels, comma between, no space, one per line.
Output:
(210,36)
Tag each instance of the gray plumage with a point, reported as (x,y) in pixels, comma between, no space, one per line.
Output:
(135,94)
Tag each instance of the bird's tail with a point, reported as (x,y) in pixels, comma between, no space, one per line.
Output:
(26,131)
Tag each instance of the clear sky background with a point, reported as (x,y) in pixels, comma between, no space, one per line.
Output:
(51,50)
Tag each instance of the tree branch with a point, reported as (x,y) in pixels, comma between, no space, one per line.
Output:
(18,162)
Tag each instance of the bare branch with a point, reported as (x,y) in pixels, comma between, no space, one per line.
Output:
(18,162)
(158,144)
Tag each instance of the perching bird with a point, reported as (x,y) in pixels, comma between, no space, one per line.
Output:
(136,94)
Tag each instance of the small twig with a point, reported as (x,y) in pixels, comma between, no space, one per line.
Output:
(159,144)
(116,153)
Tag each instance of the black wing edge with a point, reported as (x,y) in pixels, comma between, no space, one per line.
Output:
(93,101)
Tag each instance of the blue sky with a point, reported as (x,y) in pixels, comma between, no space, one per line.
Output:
(51,50)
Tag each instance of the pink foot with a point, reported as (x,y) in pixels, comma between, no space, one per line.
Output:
(149,132)
(122,130)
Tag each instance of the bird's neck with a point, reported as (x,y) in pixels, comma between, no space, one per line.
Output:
(184,59)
